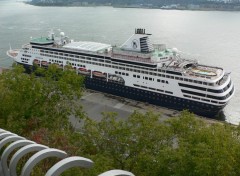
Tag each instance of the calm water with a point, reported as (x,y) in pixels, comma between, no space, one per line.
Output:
(211,37)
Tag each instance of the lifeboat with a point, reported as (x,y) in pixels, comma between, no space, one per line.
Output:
(99,74)
(37,62)
(44,63)
(84,71)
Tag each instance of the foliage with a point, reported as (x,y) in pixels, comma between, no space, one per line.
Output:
(180,146)
(38,107)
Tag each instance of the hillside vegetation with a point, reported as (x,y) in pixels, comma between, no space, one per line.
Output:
(39,109)
(166,4)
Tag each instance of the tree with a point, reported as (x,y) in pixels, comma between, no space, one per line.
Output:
(29,102)
(129,144)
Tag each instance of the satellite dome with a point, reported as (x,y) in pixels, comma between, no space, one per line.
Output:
(175,50)
(62,34)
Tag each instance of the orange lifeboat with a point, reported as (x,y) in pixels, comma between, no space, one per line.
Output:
(84,71)
(37,62)
(99,74)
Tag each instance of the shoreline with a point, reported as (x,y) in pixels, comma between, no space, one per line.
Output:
(191,8)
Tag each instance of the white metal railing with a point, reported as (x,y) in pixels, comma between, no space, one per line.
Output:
(21,146)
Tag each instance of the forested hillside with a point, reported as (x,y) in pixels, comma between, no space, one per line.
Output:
(165,4)
(123,2)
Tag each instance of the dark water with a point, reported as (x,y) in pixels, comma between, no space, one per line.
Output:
(211,37)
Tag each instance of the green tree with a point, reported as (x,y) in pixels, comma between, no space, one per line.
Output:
(130,144)
(30,103)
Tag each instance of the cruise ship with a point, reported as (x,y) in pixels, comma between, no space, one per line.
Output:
(136,70)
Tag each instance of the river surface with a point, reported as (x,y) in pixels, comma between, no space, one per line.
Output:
(211,37)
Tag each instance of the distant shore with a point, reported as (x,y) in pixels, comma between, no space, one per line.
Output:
(205,7)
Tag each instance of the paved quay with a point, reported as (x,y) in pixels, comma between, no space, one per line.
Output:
(95,103)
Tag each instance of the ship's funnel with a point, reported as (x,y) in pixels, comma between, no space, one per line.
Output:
(138,42)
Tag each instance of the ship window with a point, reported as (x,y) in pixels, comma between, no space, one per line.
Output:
(116,72)
(150,79)
(150,73)
(159,90)
(168,76)
(185,79)
(181,79)
(134,76)
(205,100)
(152,88)
(166,82)
(187,96)
(127,74)
(146,78)
(193,93)
(217,98)
(214,101)
(159,75)
(163,81)
(168,92)
(158,80)
(138,76)
(123,73)
(172,77)
(127,69)
(163,75)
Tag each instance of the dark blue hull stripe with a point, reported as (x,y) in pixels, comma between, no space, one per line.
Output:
(159,99)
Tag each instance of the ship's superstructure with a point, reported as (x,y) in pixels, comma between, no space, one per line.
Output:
(138,70)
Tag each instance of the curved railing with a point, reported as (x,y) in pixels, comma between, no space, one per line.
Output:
(22,146)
